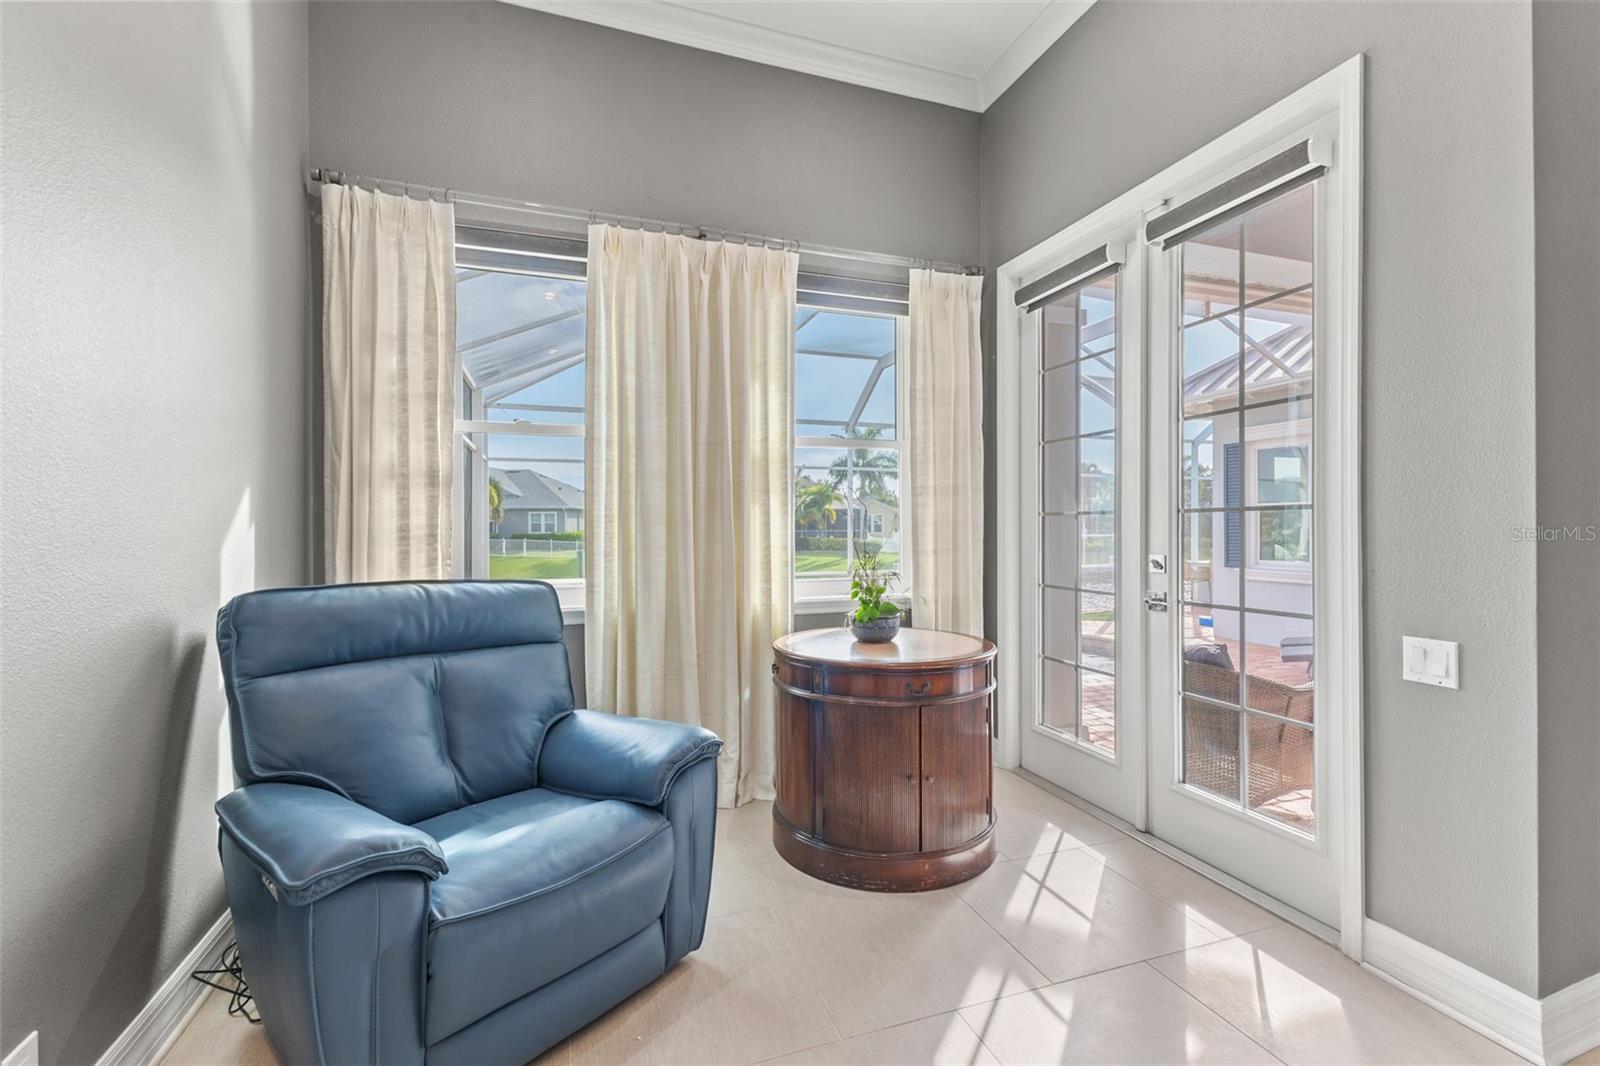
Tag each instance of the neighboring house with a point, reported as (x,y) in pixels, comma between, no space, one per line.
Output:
(875,516)
(531,502)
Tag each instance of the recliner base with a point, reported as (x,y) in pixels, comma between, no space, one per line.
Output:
(525,1028)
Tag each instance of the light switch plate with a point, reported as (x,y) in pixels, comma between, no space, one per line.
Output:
(1431,662)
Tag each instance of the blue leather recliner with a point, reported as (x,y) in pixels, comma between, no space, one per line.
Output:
(433,857)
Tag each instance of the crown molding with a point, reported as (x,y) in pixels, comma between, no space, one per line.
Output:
(1032,43)
(710,32)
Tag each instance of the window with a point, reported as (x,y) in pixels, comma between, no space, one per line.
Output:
(848,445)
(520,336)
(1283,476)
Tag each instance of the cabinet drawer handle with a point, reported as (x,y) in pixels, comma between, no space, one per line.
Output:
(919,690)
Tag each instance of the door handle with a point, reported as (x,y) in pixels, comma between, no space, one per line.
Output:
(1155,601)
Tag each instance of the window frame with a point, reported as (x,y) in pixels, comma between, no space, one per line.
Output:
(810,594)
(473,427)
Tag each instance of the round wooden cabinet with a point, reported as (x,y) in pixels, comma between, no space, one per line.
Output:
(884,775)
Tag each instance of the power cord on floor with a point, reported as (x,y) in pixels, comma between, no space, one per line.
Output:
(239,998)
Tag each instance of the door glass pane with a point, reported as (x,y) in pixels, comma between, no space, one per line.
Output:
(1211,270)
(1058,703)
(1078,515)
(1277,664)
(1097,536)
(1098,304)
(1097,631)
(1211,354)
(1060,542)
(1097,399)
(1279,238)
(1097,717)
(1277,356)
(1059,618)
(1058,472)
(1059,320)
(1245,509)
(1198,462)
(1282,772)
(1097,473)
(1211,661)
(1211,747)
(1059,413)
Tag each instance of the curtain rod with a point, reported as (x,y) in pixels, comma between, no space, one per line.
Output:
(318,176)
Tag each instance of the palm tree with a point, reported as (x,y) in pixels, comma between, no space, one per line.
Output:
(497,511)
(863,473)
(815,503)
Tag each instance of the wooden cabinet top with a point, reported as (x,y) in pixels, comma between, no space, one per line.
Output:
(911,649)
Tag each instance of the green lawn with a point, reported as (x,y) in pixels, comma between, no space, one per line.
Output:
(831,562)
(545,565)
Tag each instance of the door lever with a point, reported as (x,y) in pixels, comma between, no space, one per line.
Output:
(1155,601)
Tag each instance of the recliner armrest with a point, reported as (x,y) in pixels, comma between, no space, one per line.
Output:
(609,756)
(309,841)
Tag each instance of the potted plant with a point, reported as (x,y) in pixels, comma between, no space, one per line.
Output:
(874,620)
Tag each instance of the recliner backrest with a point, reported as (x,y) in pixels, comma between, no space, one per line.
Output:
(411,698)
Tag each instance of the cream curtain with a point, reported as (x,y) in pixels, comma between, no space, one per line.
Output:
(388,386)
(688,486)
(944,374)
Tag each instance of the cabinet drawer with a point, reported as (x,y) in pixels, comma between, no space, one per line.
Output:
(900,685)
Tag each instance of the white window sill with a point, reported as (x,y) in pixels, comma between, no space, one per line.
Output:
(810,607)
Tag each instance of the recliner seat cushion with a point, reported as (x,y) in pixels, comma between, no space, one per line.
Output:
(539,883)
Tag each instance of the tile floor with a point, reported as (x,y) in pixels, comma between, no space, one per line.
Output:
(1080,945)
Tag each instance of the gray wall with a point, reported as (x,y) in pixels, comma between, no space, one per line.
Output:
(1566,160)
(154,323)
(501,100)
(1449,394)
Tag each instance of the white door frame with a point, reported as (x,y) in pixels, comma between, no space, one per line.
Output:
(1337,93)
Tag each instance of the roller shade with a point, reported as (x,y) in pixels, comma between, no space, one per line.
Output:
(840,293)
(521,253)
(1289,169)
(1084,270)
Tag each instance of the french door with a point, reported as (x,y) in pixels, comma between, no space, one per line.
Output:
(1186,508)
(1240,776)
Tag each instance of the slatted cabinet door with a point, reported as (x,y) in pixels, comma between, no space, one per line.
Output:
(869,792)
(955,773)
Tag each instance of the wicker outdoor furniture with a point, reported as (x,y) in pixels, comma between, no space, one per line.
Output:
(1282,756)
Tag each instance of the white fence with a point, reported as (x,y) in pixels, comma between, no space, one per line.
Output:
(532,546)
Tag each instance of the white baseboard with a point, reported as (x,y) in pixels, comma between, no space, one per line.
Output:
(150,1035)
(1572,1020)
(1546,1032)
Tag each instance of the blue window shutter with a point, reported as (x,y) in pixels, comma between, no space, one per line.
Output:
(1232,498)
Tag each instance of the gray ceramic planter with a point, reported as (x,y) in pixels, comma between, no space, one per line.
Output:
(879,632)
